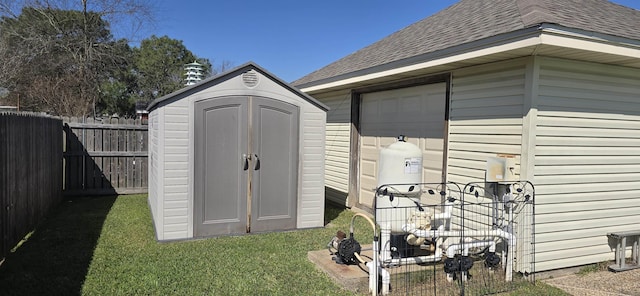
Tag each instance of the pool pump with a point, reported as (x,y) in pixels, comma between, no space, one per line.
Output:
(347,251)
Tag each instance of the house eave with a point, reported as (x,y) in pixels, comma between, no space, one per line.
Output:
(543,40)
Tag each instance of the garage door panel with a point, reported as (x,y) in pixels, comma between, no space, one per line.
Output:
(369,168)
(432,156)
(369,142)
(416,112)
(370,109)
(434,144)
(369,153)
(435,165)
(431,176)
(413,106)
(386,141)
(390,134)
(368,185)
(431,147)
(387,105)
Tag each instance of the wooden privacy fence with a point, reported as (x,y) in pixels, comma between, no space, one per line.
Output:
(106,156)
(30,179)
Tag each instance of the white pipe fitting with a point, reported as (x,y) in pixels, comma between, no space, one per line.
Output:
(414,260)
(386,281)
(452,249)
(410,228)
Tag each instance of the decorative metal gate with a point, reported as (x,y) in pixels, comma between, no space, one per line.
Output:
(452,239)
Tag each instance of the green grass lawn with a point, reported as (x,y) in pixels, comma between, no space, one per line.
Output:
(106,246)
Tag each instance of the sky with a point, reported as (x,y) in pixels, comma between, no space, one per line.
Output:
(289,38)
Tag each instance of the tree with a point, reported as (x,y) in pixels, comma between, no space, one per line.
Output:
(57,54)
(117,92)
(127,17)
(159,62)
(61,54)
(224,66)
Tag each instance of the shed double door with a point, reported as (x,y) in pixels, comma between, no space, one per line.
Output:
(246,165)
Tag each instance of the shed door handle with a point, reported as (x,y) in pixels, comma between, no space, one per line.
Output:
(257,162)
(245,161)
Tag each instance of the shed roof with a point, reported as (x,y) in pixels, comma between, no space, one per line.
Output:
(209,82)
(473,20)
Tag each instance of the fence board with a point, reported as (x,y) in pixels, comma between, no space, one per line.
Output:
(30,180)
(109,154)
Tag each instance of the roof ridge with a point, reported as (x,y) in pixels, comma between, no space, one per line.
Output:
(467,21)
(533,12)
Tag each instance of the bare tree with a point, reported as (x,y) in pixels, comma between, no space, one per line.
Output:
(59,42)
(126,17)
(222,67)
(59,94)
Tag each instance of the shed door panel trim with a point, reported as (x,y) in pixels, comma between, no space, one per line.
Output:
(220,126)
(275,143)
(246,165)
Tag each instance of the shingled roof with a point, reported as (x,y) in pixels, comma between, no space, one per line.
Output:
(472,20)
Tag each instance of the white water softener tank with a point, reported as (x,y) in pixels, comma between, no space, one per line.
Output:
(400,167)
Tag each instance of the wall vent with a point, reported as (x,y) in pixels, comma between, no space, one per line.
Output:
(250,78)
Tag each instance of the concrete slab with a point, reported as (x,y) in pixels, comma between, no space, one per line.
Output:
(356,277)
(600,283)
(352,277)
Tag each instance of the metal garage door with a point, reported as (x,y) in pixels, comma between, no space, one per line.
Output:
(416,112)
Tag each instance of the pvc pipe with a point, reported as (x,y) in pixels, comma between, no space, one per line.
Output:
(448,209)
(452,249)
(373,281)
(385,237)
(441,216)
(386,281)
(413,260)
(373,265)
(510,238)
(372,285)
(411,228)
(376,266)
(512,244)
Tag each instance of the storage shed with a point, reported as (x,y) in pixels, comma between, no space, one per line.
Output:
(554,84)
(237,153)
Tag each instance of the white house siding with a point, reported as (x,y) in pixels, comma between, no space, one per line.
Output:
(176,170)
(337,135)
(587,160)
(485,118)
(154,191)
